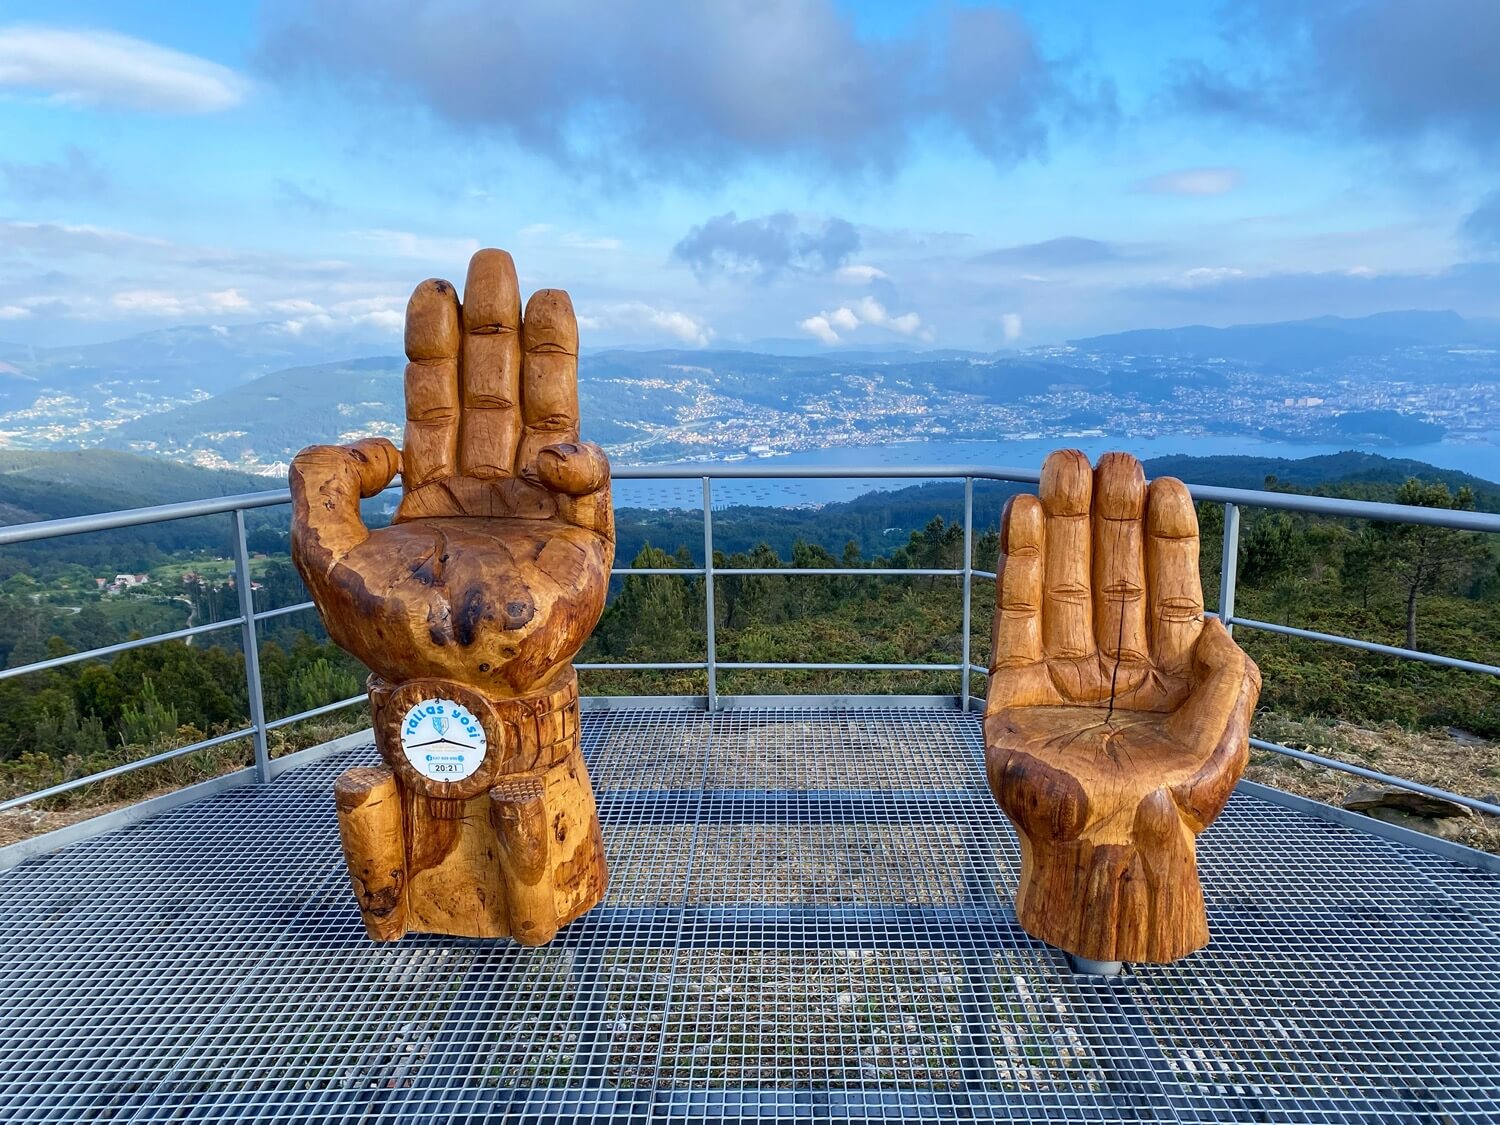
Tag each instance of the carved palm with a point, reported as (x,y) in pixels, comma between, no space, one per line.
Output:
(1117,718)
(496,566)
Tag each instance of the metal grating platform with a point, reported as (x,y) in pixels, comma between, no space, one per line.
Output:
(808,919)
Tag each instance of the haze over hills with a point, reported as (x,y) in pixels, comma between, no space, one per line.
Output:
(73,396)
(250,397)
(1303,343)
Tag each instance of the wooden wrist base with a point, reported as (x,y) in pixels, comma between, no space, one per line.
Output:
(1111,899)
(513,851)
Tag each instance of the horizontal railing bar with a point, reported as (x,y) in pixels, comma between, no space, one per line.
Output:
(1349,509)
(282,611)
(760,666)
(686,571)
(125,767)
(1288,501)
(718,471)
(765,666)
(123,646)
(1321,505)
(316,711)
(1375,775)
(720,571)
(984,574)
(1369,646)
(832,571)
(664,666)
(136,517)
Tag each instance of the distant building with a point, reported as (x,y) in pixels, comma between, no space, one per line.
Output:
(123,582)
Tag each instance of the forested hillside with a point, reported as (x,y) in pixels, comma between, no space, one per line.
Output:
(51,485)
(1386,583)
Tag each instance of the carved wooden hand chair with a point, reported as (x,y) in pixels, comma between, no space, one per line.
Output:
(469,610)
(1118,716)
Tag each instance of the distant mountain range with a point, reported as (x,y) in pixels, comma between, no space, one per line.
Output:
(249,397)
(1321,340)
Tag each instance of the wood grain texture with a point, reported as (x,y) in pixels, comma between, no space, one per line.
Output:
(369,811)
(1118,715)
(483,590)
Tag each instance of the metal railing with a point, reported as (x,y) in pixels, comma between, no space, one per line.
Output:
(1232,499)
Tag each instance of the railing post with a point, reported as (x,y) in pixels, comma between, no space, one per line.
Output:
(968,585)
(251,646)
(1229,565)
(708,592)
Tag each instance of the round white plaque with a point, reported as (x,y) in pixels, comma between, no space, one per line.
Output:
(443,740)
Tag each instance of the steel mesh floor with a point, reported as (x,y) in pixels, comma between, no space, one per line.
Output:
(808,918)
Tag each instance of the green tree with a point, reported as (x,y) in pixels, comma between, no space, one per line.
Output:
(1422,559)
(148,721)
(1273,549)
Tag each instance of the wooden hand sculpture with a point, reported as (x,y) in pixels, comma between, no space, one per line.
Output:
(1118,716)
(468,610)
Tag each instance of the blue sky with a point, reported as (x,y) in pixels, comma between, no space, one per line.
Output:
(943,175)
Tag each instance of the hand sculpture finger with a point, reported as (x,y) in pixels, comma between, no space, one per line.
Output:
(327,483)
(491,375)
(432,388)
(577,472)
(1018,584)
(1066,490)
(1214,722)
(1119,573)
(1175,589)
(1018,672)
(549,377)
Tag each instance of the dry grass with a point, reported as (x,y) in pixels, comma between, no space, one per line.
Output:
(1467,765)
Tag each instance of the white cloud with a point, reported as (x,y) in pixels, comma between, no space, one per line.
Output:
(151,302)
(385,313)
(1207,275)
(91,67)
(1362,271)
(859,274)
(818,326)
(229,300)
(14,312)
(1193,181)
(161,302)
(1010,324)
(637,318)
(405,244)
(827,326)
(61,238)
(383,318)
(843,319)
